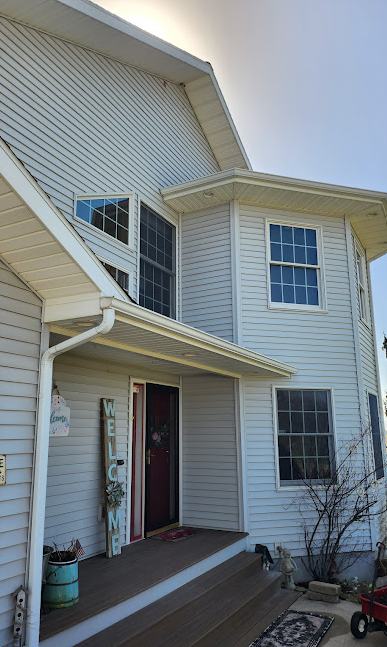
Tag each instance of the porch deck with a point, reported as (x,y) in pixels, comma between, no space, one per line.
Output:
(105,583)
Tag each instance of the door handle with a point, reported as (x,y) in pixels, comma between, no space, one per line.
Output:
(148,456)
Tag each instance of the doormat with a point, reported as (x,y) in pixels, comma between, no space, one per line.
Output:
(294,629)
(178,534)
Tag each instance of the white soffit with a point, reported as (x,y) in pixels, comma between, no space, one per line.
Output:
(85,23)
(40,245)
(367,209)
(140,336)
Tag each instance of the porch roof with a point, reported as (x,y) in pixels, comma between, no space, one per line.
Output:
(367,210)
(145,338)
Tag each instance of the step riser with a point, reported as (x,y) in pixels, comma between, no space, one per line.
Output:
(80,632)
(187,613)
(259,604)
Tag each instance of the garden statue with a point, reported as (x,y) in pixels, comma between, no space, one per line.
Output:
(288,567)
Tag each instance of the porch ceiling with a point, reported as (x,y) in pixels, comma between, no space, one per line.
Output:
(367,209)
(151,340)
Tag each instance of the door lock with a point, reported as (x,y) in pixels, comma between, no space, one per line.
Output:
(148,456)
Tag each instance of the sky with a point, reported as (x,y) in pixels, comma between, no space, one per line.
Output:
(305,82)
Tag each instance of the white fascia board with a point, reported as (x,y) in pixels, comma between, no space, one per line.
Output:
(149,320)
(78,21)
(273,181)
(230,120)
(51,218)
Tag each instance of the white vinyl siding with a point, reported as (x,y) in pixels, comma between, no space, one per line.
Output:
(320,345)
(210,472)
(75,478)
(206,290)
(20,334)
(82,123)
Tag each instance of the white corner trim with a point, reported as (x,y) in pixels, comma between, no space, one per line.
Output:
(236,272)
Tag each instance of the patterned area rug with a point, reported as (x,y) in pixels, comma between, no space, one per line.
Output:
(294,629)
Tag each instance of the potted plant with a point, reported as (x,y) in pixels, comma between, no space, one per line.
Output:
(60,589)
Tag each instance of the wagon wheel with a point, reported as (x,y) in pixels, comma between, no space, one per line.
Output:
(359,624)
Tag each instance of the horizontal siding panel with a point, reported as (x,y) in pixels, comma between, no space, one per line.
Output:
(20,317)
(210,474)
(206,271)
(75,477)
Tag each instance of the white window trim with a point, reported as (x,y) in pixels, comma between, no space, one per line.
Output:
(176,225)
(274,305)
(362,287)
(118,266)
(275,387)
(98,196)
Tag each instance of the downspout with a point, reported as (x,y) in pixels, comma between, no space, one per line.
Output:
(38,512)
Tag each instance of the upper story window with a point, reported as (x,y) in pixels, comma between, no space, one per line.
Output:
(361,282)
(305,435)
(294,266)
(110,214)
(157,263)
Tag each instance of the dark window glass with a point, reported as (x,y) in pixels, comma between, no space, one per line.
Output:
(292,247)
(110,215)
(121,277)
(376,437)
(157,263)
(304,435)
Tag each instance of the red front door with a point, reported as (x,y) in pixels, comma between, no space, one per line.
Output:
(161,456)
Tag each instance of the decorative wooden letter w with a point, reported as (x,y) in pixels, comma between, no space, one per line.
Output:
(112,515)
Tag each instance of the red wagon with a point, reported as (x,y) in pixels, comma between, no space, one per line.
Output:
(373,614)
(372,617)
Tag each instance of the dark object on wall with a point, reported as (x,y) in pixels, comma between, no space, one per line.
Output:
(266,557)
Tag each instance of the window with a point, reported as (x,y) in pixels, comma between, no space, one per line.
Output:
(294,266)
(376,438)
(157,263)
(361,283)
(305,435)
(118,275)
(112,215)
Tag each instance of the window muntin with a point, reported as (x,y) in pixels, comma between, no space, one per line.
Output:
(157,263)
(360,274)
(109,214)
(294,265)
(118,275)
(376,437)
(305,435)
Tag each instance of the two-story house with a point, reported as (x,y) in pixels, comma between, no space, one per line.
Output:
(227,313)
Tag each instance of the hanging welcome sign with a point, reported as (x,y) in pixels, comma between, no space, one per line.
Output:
(114,491)
(59,417)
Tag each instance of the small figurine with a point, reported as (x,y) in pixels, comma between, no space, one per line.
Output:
(288,567)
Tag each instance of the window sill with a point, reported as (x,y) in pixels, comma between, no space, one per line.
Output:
(104,236)
(297,308)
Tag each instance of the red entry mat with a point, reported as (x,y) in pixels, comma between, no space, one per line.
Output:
(177,534)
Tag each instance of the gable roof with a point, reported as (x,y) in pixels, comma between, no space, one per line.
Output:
(85,23)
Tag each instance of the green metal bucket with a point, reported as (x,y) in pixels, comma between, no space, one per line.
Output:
(61,587)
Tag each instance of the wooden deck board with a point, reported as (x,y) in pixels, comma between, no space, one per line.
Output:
(103,583)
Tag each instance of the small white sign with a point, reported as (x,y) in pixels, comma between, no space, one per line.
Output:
(2,469)
(60,417)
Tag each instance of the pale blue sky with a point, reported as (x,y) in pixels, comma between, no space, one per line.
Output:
(306,83)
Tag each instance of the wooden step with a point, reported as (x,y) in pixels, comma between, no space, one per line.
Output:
(119,633)
(223,607)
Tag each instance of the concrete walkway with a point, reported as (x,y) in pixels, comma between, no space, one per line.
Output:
(339,634)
